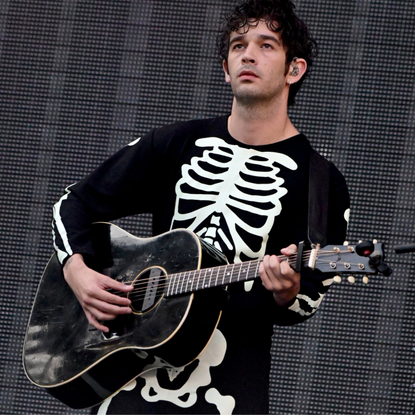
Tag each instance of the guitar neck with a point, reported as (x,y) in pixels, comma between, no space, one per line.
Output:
(330,259)
(191,281)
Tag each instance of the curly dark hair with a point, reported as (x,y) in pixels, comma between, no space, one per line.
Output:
(280,18)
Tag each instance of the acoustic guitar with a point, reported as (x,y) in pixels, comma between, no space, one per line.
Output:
(178,293)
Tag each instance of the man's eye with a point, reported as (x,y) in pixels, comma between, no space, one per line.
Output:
(266,46)
(238,46)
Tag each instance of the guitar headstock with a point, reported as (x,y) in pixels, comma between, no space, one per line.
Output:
(364,258)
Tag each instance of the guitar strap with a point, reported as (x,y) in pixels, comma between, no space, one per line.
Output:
(318,198)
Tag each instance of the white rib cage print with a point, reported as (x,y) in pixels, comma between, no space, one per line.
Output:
(232,184)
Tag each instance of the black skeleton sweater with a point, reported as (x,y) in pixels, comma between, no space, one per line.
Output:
(247,201)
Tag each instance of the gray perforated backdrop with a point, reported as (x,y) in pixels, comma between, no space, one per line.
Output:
(80,79)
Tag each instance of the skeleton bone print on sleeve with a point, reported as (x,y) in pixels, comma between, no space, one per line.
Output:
(220,183)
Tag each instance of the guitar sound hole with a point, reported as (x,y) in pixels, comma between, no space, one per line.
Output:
(149,287)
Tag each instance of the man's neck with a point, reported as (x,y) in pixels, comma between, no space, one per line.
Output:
(260,124)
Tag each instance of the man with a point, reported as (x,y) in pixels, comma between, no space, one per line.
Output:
(241,183)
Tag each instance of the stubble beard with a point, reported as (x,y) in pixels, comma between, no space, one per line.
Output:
(250,98)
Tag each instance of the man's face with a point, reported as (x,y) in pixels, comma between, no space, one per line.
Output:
(256,66)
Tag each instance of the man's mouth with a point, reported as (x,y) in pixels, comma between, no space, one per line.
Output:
(248,74)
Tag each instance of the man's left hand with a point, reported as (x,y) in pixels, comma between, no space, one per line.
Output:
(278,276)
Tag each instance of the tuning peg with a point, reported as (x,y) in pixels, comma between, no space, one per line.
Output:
(365,248)
(351,279)
(375,241)
(365,279)
(337,279)
(384,269)
(345,243)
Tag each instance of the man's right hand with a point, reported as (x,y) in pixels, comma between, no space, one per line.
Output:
(90,288)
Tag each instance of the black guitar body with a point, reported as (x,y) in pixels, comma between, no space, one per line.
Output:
(80,365)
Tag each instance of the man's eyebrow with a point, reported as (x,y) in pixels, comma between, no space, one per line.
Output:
(240,38)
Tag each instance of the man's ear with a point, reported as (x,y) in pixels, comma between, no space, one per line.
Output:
(297,69)
(226,70)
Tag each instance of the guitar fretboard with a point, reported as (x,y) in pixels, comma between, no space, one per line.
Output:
(190,281)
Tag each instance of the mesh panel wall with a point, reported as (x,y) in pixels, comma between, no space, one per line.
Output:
(80,79)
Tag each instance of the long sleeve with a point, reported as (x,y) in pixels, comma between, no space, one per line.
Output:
(116,189)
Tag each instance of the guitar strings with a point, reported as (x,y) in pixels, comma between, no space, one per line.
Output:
(196,278)
(178,279)
(139,293)
(192,277)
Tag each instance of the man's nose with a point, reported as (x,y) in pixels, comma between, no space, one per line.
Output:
(249,55)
